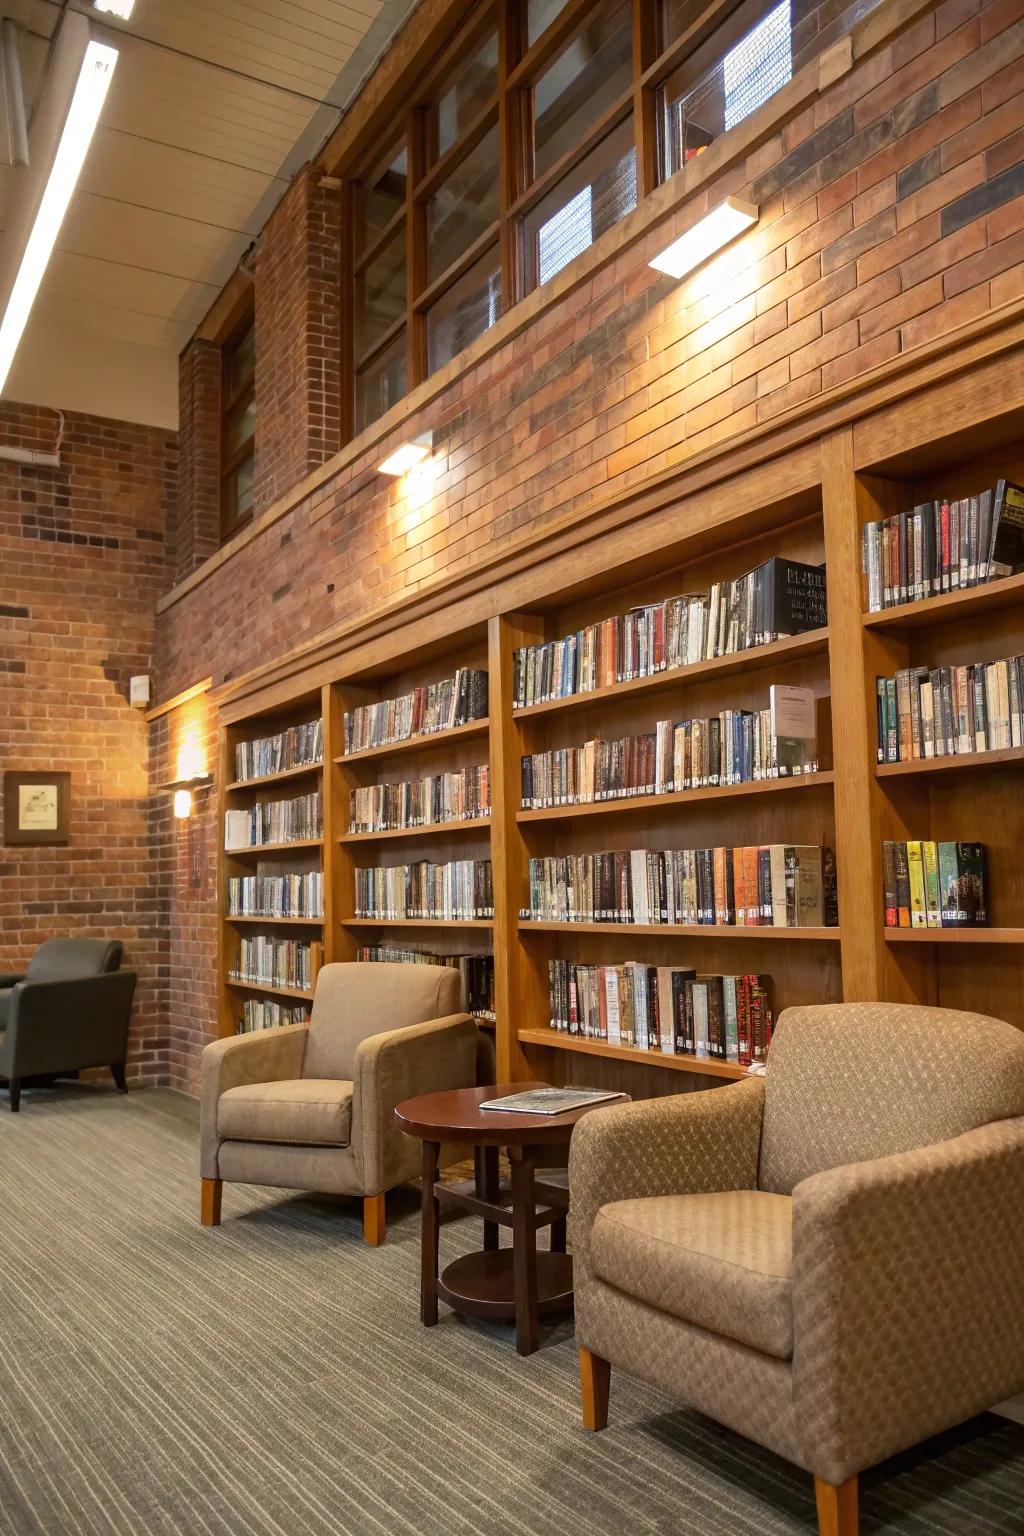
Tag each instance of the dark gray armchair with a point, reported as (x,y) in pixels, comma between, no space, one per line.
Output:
(68,1011)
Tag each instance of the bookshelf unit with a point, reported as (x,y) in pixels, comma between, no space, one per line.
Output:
(803,495)
(299,856)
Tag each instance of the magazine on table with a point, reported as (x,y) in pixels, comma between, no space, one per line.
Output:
(549,1101)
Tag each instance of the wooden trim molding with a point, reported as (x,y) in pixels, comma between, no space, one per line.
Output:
(672,195)
(178,700)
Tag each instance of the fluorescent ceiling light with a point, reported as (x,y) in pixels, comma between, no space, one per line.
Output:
(707,236)
(122,8)
(86,104)
(407,456)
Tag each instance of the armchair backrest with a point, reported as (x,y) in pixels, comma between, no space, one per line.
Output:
(849,1082)
(363,998)
(68,959)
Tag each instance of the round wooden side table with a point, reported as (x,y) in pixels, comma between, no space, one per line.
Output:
(517,1282)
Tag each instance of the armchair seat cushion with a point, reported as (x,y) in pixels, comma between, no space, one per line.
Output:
(721,1261)
(305,1111)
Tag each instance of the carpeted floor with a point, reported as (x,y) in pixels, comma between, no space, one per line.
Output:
(271,1378)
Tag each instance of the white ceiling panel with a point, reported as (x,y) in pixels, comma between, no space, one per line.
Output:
(213,106)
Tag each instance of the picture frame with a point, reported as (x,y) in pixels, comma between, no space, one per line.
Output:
(37,807)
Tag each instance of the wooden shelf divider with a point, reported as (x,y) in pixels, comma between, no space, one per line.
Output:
(701,1065)
(950,762)
(284,777)
(428,741)
(677,797)
(436,829)
(529,926)
(954,935)
(993,595)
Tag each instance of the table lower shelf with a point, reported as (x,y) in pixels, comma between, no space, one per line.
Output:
(483,1284)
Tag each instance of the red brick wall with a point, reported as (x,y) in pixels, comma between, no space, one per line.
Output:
(891,212)
(82,561)
(298,341)
(196,523)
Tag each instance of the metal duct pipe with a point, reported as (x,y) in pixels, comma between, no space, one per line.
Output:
(14,96)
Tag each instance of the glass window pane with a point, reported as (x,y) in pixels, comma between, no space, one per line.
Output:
(380,383)
(463,207)
(467,309)
(595,195)
(379,199)
(238,495)
(576,90)
(380,293)
(241,359)
(241,424)
(540,14)
(474,84)
(696,104)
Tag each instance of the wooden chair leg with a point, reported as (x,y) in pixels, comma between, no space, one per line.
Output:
(375,1224)
(595,1383)
(837,1507)
(209,1203)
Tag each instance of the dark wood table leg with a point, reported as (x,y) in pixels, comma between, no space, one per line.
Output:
(486,1166)
(429,1237)
(524,1248)
(558,1236)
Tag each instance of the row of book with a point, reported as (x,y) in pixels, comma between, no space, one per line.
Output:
(269,962)
(776,885)
(662,1008)
(274,821)
(460,796)
(934,885)
(288,895)
(950,711)
(736,746)
(300,746)
(943,546)
(778,598)
(434,707)
(459,891)
(475,971)
(268,1013)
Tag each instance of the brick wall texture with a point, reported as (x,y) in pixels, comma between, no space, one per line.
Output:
(82,561)
(891,211)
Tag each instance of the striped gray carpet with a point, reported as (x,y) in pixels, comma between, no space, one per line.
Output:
(272,1379)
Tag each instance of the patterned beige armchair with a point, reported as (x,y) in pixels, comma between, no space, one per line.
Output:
(311,1106)
(829,1259)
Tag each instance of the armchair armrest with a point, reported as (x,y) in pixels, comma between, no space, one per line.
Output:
(693,1143)
(906,1295)
(268,1056)
(396,1065)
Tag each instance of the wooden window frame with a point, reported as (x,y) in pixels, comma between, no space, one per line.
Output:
(230,400)
(719,26)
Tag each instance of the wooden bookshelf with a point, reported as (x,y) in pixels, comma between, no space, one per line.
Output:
(703,521)
(954,935)
(434,829)
(430,741)
(952,763)
(991,597)
(703,1065)
(286,776)
(813,643)
(276,922)
(306,993)
(677,798)
(686,930)
(257,850)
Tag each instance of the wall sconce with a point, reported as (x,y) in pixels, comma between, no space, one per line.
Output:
(407,455)
(183,804)
(707,236)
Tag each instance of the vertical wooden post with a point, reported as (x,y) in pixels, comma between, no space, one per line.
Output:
(515,147)
(645,44)
(227,936)
(856,658)
(513,1008)
(415,247)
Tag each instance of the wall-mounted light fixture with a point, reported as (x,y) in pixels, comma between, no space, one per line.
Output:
(122,8)
(707,236)
(407,455)
(183,804)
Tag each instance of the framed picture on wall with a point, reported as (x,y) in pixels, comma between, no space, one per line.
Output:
(36,807)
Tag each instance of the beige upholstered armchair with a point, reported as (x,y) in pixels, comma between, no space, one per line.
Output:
(311,1106)
(829,1259)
